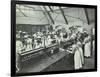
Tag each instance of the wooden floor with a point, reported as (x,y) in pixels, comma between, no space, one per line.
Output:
(67,63)
(41,62)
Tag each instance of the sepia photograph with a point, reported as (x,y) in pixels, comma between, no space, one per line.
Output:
(54,37)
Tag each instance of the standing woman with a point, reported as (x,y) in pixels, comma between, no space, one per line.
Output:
(49,39)
(80,46)
(87,42)
(77,56)
(61,36)
(81,51)
(29,41)
(93,38)
(19,47)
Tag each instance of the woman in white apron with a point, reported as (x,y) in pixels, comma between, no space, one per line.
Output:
(87,50)
(61,36)
(49,40)
(29,44)
(19,47)
(43,41)
(93,42)
(81,51)
(35,42)
(56,38)
(77,57)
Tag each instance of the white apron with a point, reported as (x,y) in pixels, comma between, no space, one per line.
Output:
(19,46)
(93,45)
(37,46)
(87,51)
(93,42)
(29,44)
(81,51)
(49,40)
(77,58)
(82,56)
(61,36)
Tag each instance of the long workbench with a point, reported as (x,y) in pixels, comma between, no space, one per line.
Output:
(39,59)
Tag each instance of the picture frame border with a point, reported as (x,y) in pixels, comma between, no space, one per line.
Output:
(13,37)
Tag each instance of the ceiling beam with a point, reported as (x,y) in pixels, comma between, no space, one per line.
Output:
(86,14)
(48,14)
(54,10)
(50,9)
(21,11)
(31,8)
(63,15)
(44,14)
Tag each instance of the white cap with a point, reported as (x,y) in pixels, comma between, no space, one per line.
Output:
(17,36)
(26,36)
(24,32)
(20,31)
(38,37)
